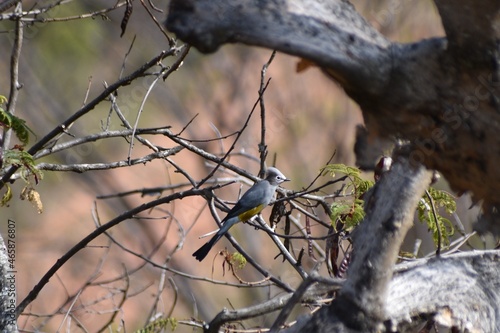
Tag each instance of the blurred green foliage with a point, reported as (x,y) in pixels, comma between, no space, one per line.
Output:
(159,325)
(351,212)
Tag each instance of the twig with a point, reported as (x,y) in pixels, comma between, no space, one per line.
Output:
(294,195)
(285,236)
(84,167)
(96,137)
(14,75)
(126,56)
(184,49)
(183,172)
(296,297)
(148,260)
(321,171)
(438,226)
(262,144)
(87,108)
(119,308)
(160,26)
(187,125)
(38,18)
(160,189)
(176,292)
(69,309)
(85,241)
(139,112)
(312,295)
(282,249)
(127,125)
(210,157)
(240,132)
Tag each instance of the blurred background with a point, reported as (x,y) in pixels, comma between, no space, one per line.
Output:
(308,117)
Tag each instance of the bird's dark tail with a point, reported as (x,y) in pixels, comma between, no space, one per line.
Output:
(202,252)
(227,224)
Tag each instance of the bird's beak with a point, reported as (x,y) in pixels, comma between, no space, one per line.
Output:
(286,180)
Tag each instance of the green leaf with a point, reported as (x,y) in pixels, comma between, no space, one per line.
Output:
(25,162)
(17,124)
(357,183)
(159,325)
(338,209)
(351,172)
(239,260)
(5,118)
(441,199)
(7,195)
(350,214)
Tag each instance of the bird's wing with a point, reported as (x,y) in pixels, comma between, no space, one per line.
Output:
(251,199)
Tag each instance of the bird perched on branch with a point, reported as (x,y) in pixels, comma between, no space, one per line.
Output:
(251,203)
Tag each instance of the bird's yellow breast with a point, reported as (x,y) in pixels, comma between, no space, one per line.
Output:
(250,213)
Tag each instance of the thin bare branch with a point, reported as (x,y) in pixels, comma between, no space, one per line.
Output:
(85,241)
(15,85)
(262,145)
(89,107)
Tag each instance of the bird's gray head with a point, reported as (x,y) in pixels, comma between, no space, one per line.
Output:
(275,177)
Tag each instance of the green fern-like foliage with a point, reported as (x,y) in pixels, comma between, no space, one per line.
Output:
(24,161)
(17,156)
(6,196)
(425,214)
(158,325)
(356,183)
(350,213)
(17,124)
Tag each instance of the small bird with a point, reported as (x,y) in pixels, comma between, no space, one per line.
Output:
(251,203)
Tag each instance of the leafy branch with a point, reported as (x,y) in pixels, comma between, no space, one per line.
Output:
(428,212)
(350,214)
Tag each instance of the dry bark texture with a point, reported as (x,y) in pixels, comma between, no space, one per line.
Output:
(441,96)
(424,289)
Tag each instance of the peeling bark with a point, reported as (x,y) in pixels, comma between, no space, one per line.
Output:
(423,290)
(420,291)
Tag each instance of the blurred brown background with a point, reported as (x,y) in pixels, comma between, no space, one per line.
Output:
(308,118)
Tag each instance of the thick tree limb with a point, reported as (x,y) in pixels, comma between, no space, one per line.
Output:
(437,93)
(357,52)
(389,208)
(360,304)
(424,290)
(421,292)
(470,25)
